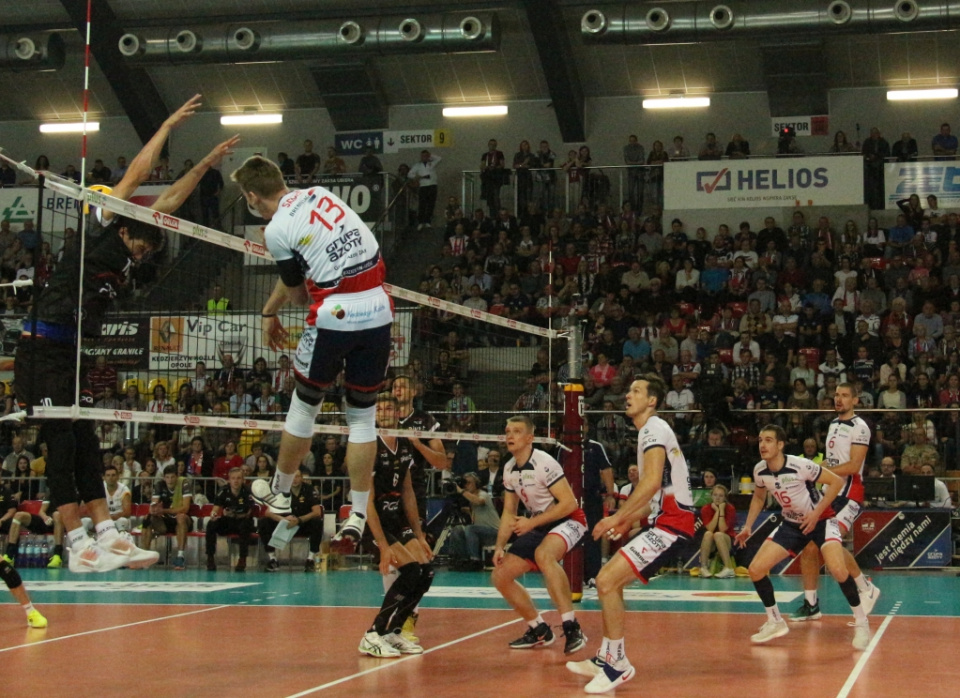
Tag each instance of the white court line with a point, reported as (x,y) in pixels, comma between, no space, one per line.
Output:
(113,627)
(865,657)
(395,662)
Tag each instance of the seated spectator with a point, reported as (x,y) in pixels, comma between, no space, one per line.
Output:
(240,401)
(738,148)
(892,398)
(306,513)
(168,513)
(227,462)
(232,515)
(460,409)
(916,451)
(468,541)
(942,500)
(801,398)
(719,520)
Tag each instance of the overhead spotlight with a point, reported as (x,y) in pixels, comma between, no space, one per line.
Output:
(411,30)
(25,48)
(485,110)
(69,127)
(250,119)
(917,95)
(131,45)
(471,28)
(658,19)
(676,102)
(593,22)
(721,17)
(350,33)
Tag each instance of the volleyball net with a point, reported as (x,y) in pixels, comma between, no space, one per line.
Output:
(182,353)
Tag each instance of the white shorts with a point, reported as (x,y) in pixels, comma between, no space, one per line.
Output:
(650,550)
(849,514)
(571,530)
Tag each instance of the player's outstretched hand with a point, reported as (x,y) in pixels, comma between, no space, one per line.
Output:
(274,334)
(188,109)
(611,527)
(741,538)
(216,156)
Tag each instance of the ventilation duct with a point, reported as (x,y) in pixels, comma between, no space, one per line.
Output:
(34,52)
(279,41)
(705,20)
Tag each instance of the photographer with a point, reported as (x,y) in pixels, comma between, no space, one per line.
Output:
(467,542)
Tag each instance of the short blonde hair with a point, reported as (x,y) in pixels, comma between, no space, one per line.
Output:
(260,176)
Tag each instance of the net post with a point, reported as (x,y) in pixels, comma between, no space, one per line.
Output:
(571,441)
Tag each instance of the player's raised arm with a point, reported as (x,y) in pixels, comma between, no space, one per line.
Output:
(177,193)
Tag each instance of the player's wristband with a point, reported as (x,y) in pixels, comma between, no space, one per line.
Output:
(267,316)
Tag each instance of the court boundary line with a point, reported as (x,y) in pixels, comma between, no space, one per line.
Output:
(395,662)
(113,627)
(865,657)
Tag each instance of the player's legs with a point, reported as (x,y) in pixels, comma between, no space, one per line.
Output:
(183,528)
(613,577)
(767,557)
(810,569)
(504,578)
(548,556)
(150,524)
(724,545)
(706,548)
(383,638)
(833,558)
(15,584)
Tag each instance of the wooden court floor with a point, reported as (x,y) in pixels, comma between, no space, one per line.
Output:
(292,634)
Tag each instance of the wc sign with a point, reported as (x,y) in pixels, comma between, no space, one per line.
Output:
(356,143)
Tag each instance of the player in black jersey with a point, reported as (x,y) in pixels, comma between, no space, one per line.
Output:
(8,509)
(429,454)
(45,361)
(232,513)
(392,505)
(305,512)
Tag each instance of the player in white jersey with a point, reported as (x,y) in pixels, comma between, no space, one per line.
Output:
(554,526)
(119,500)
(664,485)
(807,516)
(327,259)
(848,439)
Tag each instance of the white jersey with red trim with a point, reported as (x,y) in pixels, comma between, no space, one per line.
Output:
(532,481)
(842,434)
(115,500)
(339,257)
(673,502)
(794,486)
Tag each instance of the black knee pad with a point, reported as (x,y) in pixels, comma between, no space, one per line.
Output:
(358,398)
(9,575)
(409,578)
(309,394)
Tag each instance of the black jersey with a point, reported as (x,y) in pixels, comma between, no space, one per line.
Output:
(7,501)
(389,471)
(302,504)
(239,504)
(164,494)
(423,421)
(106,271)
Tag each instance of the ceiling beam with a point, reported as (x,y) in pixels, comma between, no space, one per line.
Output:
(133,87)
(556,58)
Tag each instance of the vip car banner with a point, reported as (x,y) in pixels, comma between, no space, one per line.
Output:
(915,538)
(763,183)
(901,179)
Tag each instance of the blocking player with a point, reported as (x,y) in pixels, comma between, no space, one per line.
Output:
(431,453)
(44,363)
(848,439)
(405,548)
(664,486)
(554,526)
(807,517)
(329,259)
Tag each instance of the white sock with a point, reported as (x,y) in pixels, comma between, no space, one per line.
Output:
(536,621)
(811,597)
(282,482)
(773,613)
(359,500)
(568,616)
(859,614)
(415,611)
(311,556)
(77,539)
(616,654)
(272,556)
(389,578)
(107,530)
(27,608)
(862,583)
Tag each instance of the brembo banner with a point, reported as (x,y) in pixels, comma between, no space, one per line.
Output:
(763,183)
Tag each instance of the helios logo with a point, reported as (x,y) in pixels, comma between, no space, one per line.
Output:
(714,181)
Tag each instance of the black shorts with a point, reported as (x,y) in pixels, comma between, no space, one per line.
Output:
(45,372)
(570,529)
(38,526)
(394,522)
(164,523)
(363,355)
(793,540)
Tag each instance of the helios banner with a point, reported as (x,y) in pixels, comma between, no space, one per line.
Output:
(940,178)
(763,183)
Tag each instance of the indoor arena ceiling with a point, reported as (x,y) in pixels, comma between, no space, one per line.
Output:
(516,71)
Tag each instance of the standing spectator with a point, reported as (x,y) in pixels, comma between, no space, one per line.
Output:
(905,150)
(841,144)
(545,177)
(678,151)
(8,177)
(944,144)
(333,164)
(425,174)
(634,156)
(210,186)
(100,174)
(710,150)
(655,160)
(232,514)
(738,148)
(460,409)
(370,165)
(217,304)
(308,163)
(492,176)
(288,168)
(523,161)
(875,150)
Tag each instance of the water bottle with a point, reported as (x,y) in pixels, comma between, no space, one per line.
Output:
(44,552)
(27,551)
(22,554)
(33,551)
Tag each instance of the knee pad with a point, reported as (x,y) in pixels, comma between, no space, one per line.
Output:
(408,579)
(9,575)
(301,416)
(360,398)
(363,423)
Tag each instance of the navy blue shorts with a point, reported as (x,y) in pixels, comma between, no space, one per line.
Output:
(363,355)
(793,540)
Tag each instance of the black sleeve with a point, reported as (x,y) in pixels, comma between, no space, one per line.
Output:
(291,272)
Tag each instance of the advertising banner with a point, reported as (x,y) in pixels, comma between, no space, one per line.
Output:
(906,538)
(19,204)
(763,183)
(124,343)
(941,178)
(801,125)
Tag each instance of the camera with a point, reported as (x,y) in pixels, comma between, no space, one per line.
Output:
(449,487)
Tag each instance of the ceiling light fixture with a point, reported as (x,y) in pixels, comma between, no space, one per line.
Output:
(250,119)
(69,127)
(676,102)
(914,95)
(491,110)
